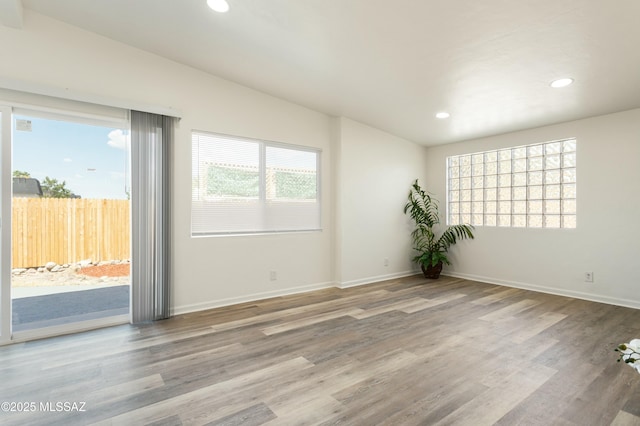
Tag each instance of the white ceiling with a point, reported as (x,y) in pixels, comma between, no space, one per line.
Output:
(394,64)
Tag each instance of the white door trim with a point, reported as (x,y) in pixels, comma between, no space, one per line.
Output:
(5,224)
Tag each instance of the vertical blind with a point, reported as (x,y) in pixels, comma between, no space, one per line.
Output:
(151,141)
(250,186)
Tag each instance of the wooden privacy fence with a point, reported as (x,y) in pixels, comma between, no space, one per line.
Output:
(68,230)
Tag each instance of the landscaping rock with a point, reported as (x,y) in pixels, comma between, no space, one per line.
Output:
(112,273)
(50,265)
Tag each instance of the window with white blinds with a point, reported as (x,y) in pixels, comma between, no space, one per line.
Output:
(243,186)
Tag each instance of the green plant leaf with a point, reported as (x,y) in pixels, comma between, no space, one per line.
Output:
(454,233)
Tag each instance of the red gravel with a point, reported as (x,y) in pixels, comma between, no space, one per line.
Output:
(120,270)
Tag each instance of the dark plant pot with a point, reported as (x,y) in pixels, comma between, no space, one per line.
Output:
(432,272)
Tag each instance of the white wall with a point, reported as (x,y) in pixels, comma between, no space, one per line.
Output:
(376,170)
(366,175)
(206,271)
(607,238)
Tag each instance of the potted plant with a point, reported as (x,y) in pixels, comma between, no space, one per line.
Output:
(431,251)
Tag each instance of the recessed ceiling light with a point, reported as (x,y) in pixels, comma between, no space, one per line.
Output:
(218,5)
(563,82)
(442,115)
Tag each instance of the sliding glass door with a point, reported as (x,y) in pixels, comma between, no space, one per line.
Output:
(66,191)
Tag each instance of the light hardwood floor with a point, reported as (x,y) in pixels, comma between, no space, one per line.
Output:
(401,352)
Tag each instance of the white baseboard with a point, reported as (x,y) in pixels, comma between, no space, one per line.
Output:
(196,307)
(375,279)
(635,304)
(185,309)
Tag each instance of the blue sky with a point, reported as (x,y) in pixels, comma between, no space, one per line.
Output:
(93,160)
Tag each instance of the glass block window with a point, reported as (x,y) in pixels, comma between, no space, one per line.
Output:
(530,186)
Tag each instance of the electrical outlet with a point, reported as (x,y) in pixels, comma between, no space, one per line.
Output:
(273,275)
(386,261)
(588,277)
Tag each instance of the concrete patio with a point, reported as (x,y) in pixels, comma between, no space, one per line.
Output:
(37,307)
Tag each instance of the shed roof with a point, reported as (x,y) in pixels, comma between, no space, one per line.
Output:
(26,187)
